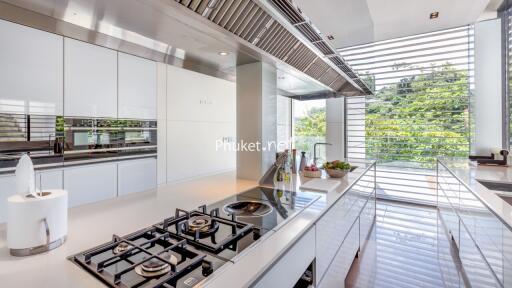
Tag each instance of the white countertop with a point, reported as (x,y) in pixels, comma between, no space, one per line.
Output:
(255,263)
(468,172)
(94,224)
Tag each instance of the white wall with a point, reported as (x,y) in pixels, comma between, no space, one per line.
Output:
(487,108)
(199,110)
(256,93)
(284,120)
(335,129)
(161,104)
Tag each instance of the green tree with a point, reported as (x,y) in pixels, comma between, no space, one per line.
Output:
(420,117)
(310,129)
(313,124)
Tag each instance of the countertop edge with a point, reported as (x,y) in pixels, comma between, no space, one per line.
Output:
(471,188)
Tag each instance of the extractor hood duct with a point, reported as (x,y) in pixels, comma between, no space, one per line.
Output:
(249,21)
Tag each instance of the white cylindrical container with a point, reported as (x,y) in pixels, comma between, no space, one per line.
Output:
(37,224)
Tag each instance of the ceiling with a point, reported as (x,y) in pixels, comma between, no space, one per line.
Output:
(354,22)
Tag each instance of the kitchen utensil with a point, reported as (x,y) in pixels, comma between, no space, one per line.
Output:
(302,161)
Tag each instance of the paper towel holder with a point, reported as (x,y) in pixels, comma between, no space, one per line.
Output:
(24,229)
(42,248)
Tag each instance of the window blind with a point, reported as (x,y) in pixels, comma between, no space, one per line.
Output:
(420,108)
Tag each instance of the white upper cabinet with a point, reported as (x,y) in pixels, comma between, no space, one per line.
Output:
(196,97)
(90,76)
(31,72)
(137,87)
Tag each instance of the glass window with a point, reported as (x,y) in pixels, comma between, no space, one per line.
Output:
(420,108)
(284,123)
(309,126)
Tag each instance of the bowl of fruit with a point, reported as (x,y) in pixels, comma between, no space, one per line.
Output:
(337,169)
(312,171)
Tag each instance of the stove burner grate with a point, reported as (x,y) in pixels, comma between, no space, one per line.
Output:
(123,246)
(196,226)
(137,250)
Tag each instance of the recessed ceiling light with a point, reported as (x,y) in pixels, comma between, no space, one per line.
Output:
(223,53)
(434,15)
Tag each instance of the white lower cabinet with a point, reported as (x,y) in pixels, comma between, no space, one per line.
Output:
(331,231)
(49,179)
(366,220)
(7,188)
(478,272)
(91,183)
(136,176)
(338,269)
(290,267)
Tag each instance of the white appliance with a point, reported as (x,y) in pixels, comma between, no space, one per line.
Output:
(37,223)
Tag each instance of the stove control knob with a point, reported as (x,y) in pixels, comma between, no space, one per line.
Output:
(256,234)
(207,268)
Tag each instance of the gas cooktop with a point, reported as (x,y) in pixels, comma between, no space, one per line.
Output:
(184,249)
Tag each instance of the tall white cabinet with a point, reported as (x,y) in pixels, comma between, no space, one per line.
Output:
(90,80)
(31,72)
(137,87)
(201,114)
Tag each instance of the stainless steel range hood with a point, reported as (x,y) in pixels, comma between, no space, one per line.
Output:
(190,33)
(263,27)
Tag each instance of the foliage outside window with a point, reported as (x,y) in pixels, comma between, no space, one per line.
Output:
(420,109)
(419,118)
(309,127)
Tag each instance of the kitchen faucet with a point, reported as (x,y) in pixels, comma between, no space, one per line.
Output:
(270,177)
(314,150)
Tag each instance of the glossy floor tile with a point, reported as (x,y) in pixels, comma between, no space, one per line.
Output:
(406,249)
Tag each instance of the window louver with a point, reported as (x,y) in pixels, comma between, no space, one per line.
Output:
(419,110)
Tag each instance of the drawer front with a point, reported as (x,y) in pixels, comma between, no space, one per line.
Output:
(136,176)
(448,216)
(7,189)
(338,269)
(366,220)
(332,229)
(290,267)
(478,272)
(90,183)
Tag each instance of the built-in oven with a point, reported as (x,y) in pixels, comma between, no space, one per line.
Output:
(137,137)
(90,138)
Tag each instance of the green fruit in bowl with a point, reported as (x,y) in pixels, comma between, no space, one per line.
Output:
(337,165)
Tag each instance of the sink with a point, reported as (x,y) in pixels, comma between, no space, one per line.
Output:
(247,208)
(497,186)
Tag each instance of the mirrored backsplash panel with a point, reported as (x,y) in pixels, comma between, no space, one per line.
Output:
(56,139)
(36,135)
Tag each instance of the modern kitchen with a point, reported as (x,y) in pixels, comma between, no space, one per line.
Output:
(255,143)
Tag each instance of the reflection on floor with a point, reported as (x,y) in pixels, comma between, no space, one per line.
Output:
(406,249)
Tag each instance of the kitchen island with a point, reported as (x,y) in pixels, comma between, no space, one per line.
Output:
(94,224)
(477,219)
